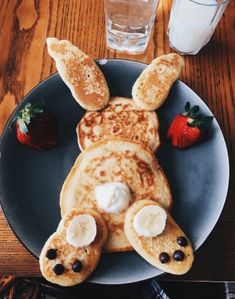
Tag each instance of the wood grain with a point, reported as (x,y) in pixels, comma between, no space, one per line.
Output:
(24,62)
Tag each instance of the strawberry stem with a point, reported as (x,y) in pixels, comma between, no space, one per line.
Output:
(191,112)
(201,122)
(27,113)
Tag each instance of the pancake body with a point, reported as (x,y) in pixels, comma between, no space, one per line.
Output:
(115,160)
(150,248)
(120,118)
(67,254)
(153,85)
(80,73)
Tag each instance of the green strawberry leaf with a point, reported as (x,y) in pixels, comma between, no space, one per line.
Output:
(201,122)
(27,113)
(193,111)
(187,107)
(38,107)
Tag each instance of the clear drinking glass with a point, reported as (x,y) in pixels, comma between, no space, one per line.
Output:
(192,23)
(129,24)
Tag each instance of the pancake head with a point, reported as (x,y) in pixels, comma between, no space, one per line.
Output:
(120,118)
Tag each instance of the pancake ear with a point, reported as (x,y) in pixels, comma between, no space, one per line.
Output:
(151,88)
(80,73)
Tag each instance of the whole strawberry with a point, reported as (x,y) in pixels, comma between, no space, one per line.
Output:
(35,128)
(187,129)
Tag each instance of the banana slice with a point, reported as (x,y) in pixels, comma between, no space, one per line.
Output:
(81,231)
(150,221)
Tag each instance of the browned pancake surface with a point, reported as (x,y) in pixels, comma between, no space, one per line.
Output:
(80,73)
(68,254)
(153,85)
(115,160)
(120,118)
(150,248)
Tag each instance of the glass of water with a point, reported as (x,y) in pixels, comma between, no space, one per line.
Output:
(129,24)
(192,23)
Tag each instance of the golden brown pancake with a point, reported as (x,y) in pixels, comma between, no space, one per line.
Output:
(66,254)
(120,118)
(153,85)
(151,248)
(80,73)
(115,160)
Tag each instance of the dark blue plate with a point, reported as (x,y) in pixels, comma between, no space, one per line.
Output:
(30,181)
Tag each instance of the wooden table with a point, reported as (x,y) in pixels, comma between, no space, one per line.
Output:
(24,61)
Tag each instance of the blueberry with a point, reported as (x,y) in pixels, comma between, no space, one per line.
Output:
(58,269)
(178,255)
(51,254)
(182,241)
(164,257)
(77,266)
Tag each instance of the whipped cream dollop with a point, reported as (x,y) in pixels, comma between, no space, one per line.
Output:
(150,221)
(113,197)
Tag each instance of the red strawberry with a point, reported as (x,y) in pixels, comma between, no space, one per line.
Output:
(187,129)
(35,128)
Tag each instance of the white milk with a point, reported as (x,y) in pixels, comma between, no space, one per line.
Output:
(191,25)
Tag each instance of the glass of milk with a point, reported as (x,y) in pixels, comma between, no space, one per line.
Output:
(129,24)
(192,23)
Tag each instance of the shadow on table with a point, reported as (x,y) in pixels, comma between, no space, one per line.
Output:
(27,288)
